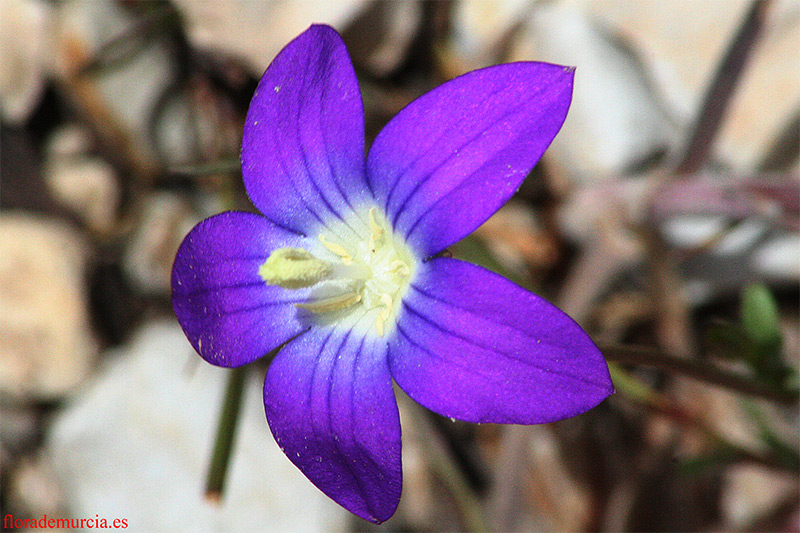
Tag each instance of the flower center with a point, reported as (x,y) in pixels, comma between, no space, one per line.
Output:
(366,273)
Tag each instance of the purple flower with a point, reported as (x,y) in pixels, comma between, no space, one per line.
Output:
(343,266)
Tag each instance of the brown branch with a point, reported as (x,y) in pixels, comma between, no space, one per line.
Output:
(718,97)
(705,371)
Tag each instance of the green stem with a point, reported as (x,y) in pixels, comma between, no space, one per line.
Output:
(226,431)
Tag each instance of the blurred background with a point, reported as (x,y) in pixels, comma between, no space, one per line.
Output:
(664,219)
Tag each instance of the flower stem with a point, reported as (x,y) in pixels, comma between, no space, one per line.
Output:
(226,431)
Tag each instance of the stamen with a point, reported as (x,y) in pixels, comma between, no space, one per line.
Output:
(337,249)
(376,231)
(385,313)
(334,303)
(400,268)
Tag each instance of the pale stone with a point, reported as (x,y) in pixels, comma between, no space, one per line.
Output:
(46,347)
(257,31)
(751,491)
(121,100)
(779,258)
(688,231)
(682,49)
(34,490)
(136,445)
(85,184)
(680,45)
(25,60)
(615,121)
(479,28)
(769,91)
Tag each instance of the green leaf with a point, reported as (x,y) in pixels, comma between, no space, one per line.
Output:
(760,317)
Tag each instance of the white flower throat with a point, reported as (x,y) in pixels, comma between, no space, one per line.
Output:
(369,273)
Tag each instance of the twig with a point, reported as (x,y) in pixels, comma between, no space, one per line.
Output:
(673,322)
(660,404)
(722,87)
(701,370)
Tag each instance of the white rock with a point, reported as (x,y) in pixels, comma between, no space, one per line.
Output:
(751,490)
(614,121)
(257,31)
(769,91)
(46,347)
(679,47)
(688,231)
(479,28)
(34,490)
(136,445)
(25,61)
(121,100)
(742,238)
(85,184)
(779,259)
(682,48)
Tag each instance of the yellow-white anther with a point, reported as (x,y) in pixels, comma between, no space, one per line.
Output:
(334,303)
(337,249)
(376,231)
(386,312)
(294,268)
(401,269)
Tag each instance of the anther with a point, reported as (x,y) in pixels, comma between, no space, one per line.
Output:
(337,249)
(334,303)
(386,312)
(376,231)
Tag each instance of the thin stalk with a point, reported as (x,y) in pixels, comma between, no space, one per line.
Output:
(701,370)
(660,404)
(226,431)
(718,97)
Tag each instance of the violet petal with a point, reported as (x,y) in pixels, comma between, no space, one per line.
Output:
(303,140)
(471,345)
(228,313)
(452,157)
(330,405)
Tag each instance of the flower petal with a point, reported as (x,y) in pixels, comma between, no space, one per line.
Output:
(229,314)
(303,141)
(471,345)
(330,405)
(452,157)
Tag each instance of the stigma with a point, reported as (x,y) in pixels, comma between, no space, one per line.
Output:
(355,277)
